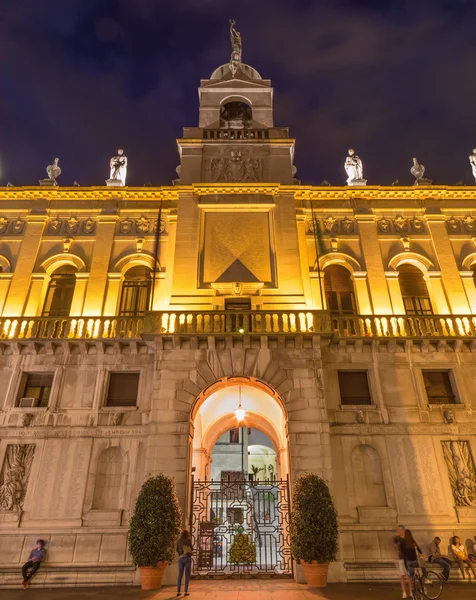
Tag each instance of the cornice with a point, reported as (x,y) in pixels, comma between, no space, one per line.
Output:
(300,192)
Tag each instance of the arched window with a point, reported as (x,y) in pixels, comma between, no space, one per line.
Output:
(59,296)
(339,290)
(236,115)
(135,292)
(109,479)
(414,291)
(368,477)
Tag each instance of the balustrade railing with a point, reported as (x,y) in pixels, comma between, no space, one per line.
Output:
(238,322)
(67,328)
(404,326)
(235,134)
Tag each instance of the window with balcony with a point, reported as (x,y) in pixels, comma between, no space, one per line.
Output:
(339,291)
(122,389)
(59,296)
(354,388)
(35,389)
(416,298)
(439,387)
(135,292)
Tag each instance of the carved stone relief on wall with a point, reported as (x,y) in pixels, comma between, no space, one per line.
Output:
(141,226)
(331,225)
(465,225)
(14,475)
(400,224)
(70,226)
(238,166)
(11,227)
(461,471)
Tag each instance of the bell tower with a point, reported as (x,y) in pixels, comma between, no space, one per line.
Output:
(236,141)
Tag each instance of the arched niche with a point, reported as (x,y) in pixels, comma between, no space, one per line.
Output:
(111,472)
(368,477)
(236,114)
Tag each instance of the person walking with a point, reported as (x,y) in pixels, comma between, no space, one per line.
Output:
(397,540)
(409,548)
(440,559)
(37,556)
(461,555)
(185,551)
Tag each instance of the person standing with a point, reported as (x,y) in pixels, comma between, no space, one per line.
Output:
(461,555)
(37,556)
(185,551)
(440,559)
(398,540)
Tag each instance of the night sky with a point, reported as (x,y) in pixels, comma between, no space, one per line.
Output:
(391,78)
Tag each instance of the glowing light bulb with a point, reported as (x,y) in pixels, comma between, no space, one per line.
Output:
(240,413)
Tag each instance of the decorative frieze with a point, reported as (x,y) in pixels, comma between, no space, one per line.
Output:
(141,226)
(461,225)
(400,224)
(15,475)
(70,226)
(12,226)
(331,226)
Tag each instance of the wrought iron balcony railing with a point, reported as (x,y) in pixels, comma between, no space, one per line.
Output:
(238,323)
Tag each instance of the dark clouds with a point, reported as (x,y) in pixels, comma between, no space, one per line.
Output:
(392,79)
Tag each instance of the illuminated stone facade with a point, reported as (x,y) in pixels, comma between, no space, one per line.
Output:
(345,315)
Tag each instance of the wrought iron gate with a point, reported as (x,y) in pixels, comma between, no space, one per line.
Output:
(240,528)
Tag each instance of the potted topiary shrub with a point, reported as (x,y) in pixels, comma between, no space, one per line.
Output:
(154,529)
(314,531)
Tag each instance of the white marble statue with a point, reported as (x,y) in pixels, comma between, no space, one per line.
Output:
(118,166)
(53,171)
(418,171)
(472,160)
(353,168)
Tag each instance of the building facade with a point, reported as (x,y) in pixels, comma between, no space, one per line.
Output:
(134,318)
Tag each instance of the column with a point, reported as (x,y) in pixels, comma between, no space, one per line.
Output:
(36,295)
(5,279)
(453,285)
(437,294)
(373,260)
(76,309)
(25,264)
(114,281)
(364,306)
(304,259)
(395,292)
(317,285)
(467,278)
(96,289)
(163,289)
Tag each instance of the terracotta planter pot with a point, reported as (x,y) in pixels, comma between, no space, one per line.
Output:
(315,573)
(151,577)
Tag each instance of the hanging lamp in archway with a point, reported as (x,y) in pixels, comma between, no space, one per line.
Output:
(240,412)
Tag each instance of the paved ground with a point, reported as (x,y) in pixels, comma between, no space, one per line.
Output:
(238,590)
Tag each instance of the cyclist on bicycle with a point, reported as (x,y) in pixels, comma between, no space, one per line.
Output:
(408,549)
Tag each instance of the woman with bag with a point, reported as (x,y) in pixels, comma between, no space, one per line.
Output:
(185,551)
(461,555)
(409,549)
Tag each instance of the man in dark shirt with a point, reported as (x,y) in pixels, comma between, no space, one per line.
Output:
(37,556)
(398,541)
(440,559)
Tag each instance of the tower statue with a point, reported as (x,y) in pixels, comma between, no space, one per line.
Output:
(236,43)
(472,160)
(354,169)
(53,171)
(418,172)
(118,166)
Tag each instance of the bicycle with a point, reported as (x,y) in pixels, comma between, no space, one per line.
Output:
(421,590)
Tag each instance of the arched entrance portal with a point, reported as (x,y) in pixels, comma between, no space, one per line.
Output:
(239,508)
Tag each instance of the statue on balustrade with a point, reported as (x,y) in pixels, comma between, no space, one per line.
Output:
(354,169)
(472,160)
(118,165)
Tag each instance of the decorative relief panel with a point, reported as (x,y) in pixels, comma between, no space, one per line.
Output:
(11,226)
(461,471)
(331,226)
(70,226)
(465,225)
(400,224)
(235,166)
(15,474)
(141,226)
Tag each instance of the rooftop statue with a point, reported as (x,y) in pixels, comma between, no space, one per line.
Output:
(472,160)
(354,169)
(418,172)
(53,171)
(118,166)
(236,43)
